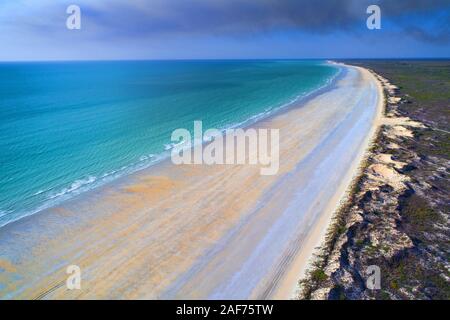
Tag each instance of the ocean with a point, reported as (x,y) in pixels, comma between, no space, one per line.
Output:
(68,127)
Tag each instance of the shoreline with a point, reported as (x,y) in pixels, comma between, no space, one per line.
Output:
(142,228)
(135,169)
(346,193)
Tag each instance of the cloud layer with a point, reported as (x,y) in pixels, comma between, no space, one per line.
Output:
(250,17)
(115,21)
(237,17)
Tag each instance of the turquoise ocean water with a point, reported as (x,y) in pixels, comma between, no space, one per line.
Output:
(67,127)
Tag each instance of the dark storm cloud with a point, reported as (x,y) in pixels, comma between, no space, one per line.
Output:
(426,20)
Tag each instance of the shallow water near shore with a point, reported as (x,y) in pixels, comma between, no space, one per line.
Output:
(67,127)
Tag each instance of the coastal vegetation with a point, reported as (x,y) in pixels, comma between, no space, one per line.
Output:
(396,216)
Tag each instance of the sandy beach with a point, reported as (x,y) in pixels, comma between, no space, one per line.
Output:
(198,231)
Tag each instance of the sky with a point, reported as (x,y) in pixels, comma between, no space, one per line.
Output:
(223,29)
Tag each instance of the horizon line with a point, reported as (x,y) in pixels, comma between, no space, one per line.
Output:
(224,59)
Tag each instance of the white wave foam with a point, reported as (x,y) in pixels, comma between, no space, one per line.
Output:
(172,145)
(74,186)
(4,213)
(38,193)
(148,157)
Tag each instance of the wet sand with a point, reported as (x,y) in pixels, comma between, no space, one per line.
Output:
(198,231)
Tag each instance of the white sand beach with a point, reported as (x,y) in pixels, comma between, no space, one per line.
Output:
(198,231)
